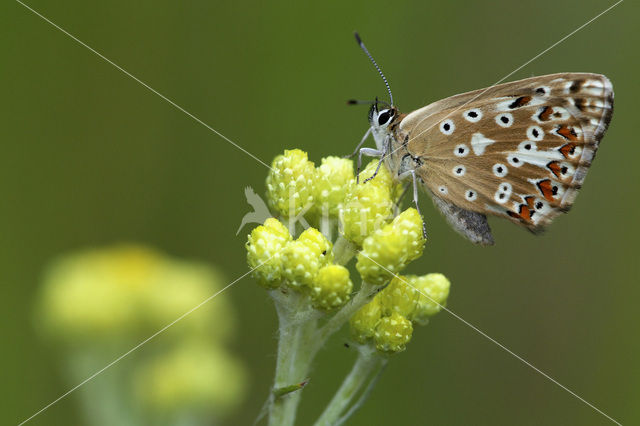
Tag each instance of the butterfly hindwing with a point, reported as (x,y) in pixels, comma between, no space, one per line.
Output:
(520,150)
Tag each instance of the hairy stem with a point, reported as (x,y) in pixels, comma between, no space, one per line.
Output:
(297,326)
(365,369)
(361,298)
(343,251)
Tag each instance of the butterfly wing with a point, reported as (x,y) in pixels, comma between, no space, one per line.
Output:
(519,150)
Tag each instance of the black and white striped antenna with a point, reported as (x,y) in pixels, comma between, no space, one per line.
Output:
(364,48)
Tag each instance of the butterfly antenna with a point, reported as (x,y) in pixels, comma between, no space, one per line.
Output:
(364,48)
(366,102)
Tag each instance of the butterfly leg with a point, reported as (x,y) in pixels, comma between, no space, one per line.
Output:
(364,138)
(412,173)
(396,206)
(369,152)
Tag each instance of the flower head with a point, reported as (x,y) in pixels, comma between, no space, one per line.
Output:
(331,288)
(291,183)
(433,290)
(363,323)
(264,252)
(393,333)
(303,258)
(388,250)
(193,377)
(333,179)
(114,294)
(368,205)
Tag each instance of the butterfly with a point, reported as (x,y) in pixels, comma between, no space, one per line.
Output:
(518,150)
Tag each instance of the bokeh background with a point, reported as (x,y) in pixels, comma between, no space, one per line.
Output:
(89,157)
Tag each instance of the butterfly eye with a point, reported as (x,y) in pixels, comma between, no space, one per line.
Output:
(384,117)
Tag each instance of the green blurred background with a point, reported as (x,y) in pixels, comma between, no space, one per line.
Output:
(90,157)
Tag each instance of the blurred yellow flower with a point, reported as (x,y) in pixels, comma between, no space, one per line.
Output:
(128,291)
(195,376)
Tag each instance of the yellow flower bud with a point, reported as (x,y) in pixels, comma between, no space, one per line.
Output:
(364,322)
(331,288)
(291,183)
(433,291)
(300,264)
(388,250)
(393,333)
(367,206)
(264,252)
(318,243)
(398,297)
(303,258)
(333,178)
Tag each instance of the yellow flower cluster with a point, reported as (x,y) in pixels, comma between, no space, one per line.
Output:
(388,250)
(127,292)
(103,301)
(304,264)
(194,377)
(295,185)
(389,317)
(368,205)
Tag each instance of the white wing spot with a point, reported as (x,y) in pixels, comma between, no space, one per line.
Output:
(479,143)
(515,161)
(504,119)
(447,127)
(500,170)
(473,115)
(527,146)
(503,193)
(461,150)
(459,170)
(471,195)
(535,133)
(443,190)
(543,91)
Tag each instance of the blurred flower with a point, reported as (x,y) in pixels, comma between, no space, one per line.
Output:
(97,303)
(194,376)
(127,291)
(433,292)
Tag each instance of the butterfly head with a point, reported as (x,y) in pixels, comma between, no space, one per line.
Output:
(381,117)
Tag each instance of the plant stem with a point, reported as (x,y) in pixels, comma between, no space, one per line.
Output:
(367,366)
(296,331)
(361,298)
(343,251)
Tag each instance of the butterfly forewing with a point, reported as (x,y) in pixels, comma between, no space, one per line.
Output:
(519,150)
